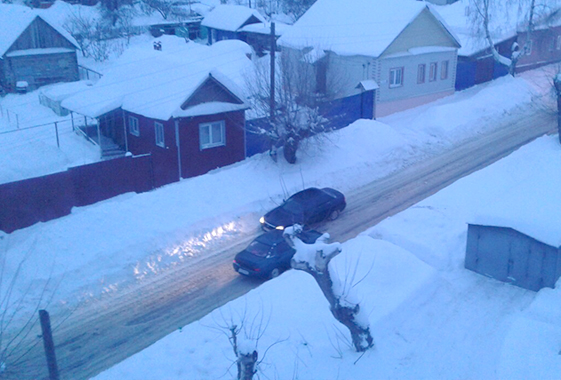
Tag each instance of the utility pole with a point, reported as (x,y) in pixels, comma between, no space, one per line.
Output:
(49,344)
(272,56)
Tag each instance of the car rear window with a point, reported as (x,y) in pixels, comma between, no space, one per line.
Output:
(259,249)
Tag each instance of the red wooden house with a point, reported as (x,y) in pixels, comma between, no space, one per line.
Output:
(185,110)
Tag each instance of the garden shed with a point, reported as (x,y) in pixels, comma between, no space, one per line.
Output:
(520,254)
(33,51)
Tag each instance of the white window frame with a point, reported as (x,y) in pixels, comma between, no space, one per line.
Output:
(444,70)
(396,77)
(433,69)
(421,73)
(133,126)
(558,43)
(159,134)
(214,140)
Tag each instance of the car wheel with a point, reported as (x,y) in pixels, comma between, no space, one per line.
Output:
(334,214)
(275,273)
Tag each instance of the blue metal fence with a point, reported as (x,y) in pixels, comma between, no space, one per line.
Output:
(339,113)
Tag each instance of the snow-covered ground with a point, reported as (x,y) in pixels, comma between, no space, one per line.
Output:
(430,317)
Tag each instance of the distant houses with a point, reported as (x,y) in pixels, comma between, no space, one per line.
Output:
(33,52)
(509,32)
(225,22)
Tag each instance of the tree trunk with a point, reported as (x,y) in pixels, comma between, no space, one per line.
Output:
(557,84)
(290,148)
(361,336)
(246,365)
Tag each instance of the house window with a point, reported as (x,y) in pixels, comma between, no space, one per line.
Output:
(432,73)
(396,77)
(159,130)
(133,126)
(558,44)
(212,134)
(444,70)
(421,73)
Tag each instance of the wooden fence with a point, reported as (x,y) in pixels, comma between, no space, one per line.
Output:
(24,203)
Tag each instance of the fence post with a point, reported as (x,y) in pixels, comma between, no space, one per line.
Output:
(72,117)
(17,120)
(49,344)
(56,130)
(8,113)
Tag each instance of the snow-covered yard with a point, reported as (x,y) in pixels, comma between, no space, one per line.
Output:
(430,317)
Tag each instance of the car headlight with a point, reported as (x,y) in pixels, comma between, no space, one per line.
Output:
(279,228)
(262,220)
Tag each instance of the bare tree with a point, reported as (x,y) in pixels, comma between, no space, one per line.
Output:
(556,86)
(244,333)
(314,259)
(491,16)
(168,9)
(97,37)
(297,7)
(19,315)
(296,113)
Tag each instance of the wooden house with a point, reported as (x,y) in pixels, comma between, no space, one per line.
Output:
(187,112)
(544,45)
(33,52)
(412,59)
(225,22)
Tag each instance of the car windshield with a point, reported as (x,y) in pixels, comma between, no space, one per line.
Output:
(292,206)
(258,248)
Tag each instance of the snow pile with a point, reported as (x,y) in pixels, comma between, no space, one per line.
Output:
(301,335)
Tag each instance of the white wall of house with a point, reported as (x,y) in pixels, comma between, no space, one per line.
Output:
(345,72)
(439,75)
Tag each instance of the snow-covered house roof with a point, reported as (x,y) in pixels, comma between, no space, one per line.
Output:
(231,17)
(354,27)
(538,228)
(265,28)
(15,19)
(157,84)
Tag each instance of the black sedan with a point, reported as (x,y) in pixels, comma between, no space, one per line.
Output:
(269,254)
(305,208)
